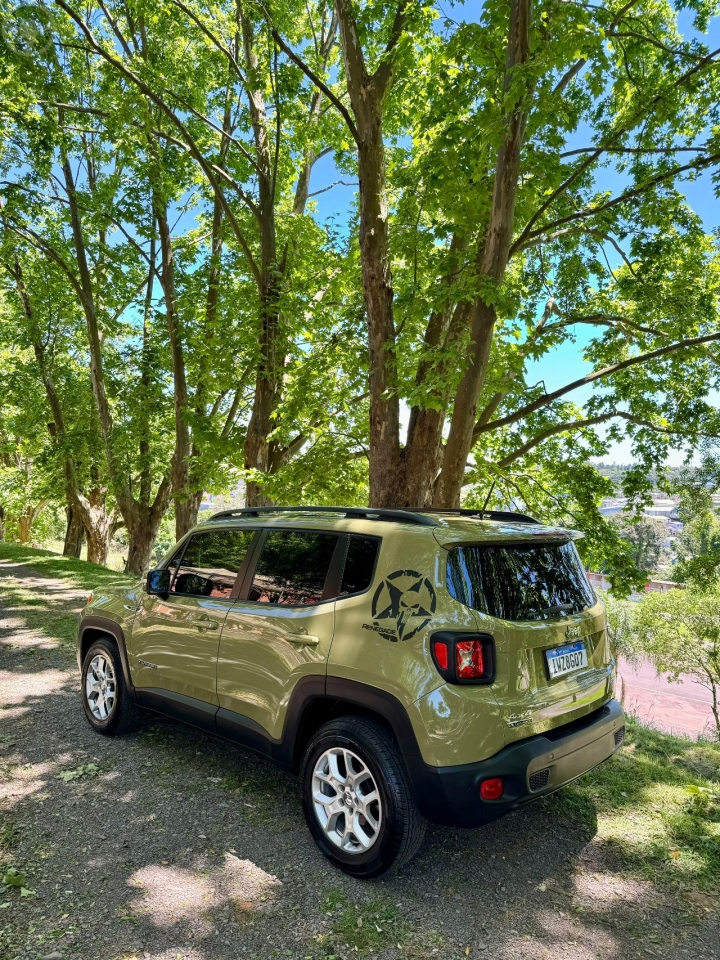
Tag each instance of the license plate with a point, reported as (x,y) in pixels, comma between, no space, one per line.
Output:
(566,659)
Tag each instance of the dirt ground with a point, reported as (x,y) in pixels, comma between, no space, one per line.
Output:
(171,844)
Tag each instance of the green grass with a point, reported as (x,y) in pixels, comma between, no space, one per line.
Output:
(38,614)
(638,806)
(80,572)
(371,926)
(41,612)
(9,837)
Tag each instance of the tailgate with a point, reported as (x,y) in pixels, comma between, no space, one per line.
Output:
(531,701)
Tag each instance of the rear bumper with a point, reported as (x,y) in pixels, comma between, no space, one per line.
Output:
(530,768)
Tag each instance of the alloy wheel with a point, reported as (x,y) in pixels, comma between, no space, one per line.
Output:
(346,800)
(100,687)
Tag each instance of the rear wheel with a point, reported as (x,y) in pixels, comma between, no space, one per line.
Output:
(357,798)
(106,699)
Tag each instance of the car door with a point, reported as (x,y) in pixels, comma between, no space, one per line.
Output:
(280,633)
(175,638)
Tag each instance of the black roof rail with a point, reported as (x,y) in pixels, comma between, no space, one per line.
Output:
(359,513)
(506,515)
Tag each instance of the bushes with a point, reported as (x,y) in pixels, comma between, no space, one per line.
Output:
(679,630)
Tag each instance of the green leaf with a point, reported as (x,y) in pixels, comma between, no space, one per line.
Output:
(13,877)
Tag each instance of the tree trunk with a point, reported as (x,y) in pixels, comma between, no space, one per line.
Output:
(2,523)
(74,534)
(269,374)
(459,444)
(492,260)
(142,533)
(140,551)
(186,510)
(385,488)
(257,447)
(98,543)
(24,527)
(423,453)
(181,457)
(28,518)
(367,93)
(89,515)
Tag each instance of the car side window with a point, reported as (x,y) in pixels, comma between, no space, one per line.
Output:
(211,563)
(359,565)
(173,564)
(292,567)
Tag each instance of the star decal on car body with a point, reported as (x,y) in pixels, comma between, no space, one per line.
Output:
(406,597)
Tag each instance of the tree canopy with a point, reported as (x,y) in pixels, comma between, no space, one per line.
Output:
(187,311)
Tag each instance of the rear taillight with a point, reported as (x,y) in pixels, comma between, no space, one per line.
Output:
(469,661)
(460,658)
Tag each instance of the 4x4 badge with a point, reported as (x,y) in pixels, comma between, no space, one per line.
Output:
(406,597)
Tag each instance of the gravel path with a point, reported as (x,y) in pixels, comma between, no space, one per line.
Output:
(178,845)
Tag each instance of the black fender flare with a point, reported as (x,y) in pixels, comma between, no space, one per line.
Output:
(111,627)
(426,785)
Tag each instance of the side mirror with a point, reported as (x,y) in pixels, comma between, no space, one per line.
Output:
(158,582)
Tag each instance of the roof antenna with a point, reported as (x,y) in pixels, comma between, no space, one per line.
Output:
(487,498)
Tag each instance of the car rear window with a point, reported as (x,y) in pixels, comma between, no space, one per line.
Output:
(292,567)
(359,565)
(520,582)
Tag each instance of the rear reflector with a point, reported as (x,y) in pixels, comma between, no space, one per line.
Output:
(441,654)
(469,661)
(492,789)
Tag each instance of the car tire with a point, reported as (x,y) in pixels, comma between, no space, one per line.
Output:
(105,696)
(346,763)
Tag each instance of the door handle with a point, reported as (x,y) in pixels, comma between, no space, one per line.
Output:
(302,638)
(206,623)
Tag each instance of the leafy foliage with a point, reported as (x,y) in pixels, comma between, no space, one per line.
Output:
(680,631)
(647,537)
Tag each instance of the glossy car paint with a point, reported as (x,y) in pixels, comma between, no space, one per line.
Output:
(381,638)
(264,651)
(175,643)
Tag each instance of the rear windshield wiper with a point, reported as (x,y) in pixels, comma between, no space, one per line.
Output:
(559,608)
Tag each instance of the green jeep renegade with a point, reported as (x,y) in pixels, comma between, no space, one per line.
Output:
(410,665)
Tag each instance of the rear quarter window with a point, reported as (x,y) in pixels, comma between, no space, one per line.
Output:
(359,565)
(520,581)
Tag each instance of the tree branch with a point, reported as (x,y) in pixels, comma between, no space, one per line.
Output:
(580,425)
(709,60)
(313,77)
(549,398)
(659,178)
(633,150)
(382,77)
(213,39)
(175,120)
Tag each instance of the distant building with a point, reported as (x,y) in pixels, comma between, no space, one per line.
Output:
(600,581)
(661,508)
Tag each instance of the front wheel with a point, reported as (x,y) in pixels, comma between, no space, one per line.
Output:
(105,696)
(357,798)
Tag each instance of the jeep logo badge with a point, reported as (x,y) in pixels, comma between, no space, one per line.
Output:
(573,632)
